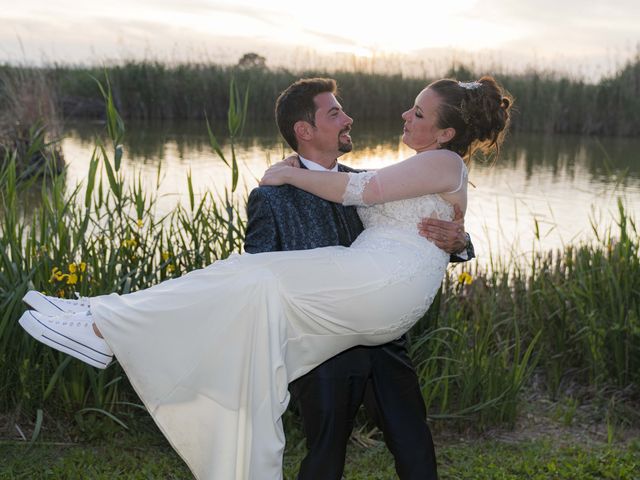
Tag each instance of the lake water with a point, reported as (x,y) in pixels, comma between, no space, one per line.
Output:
(543,192)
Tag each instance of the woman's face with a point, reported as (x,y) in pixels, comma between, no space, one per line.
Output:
(420,130)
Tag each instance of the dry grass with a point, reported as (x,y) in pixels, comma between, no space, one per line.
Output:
(30,122)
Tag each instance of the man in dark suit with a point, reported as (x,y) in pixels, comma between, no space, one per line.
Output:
(313,123)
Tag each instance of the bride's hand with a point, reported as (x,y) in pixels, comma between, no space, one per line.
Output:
(277,173)
(292,161)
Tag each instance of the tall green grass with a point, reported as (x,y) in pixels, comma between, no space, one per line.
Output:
(98,237)
(546,102)
(571,315)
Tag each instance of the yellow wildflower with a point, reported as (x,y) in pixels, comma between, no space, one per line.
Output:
(165,256)
(130,243)
(72,268)
(56,274)
(61,293)
(139,223)
(171,268)
(72,279)
(465,278)
(83,266)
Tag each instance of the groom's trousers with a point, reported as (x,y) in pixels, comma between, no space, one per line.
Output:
(329,398)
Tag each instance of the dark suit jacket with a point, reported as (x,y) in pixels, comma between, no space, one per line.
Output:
(287,218)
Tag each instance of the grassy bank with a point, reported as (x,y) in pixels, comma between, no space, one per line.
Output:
(570,320)
(146,455)
(149,90)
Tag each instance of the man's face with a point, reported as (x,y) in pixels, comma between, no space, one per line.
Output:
(332,125)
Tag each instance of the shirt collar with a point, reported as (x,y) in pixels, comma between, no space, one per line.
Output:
(311,165)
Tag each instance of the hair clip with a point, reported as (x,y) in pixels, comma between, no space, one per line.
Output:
(470,85)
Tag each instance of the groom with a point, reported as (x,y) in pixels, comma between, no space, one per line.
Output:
(285,218)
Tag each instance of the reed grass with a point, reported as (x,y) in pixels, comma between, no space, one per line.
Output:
(546,102)
(30,123)
(570,315)
(103,236)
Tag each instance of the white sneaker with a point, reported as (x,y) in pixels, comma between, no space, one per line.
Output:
(53,306)
(71,333)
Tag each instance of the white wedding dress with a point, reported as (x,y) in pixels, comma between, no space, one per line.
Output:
(211,353)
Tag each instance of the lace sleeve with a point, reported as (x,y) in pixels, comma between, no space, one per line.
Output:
(354,194)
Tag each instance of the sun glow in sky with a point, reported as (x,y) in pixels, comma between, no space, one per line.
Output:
(526,32)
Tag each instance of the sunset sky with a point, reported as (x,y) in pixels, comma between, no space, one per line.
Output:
(593,37)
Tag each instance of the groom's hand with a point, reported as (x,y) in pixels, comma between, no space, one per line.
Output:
(449,236)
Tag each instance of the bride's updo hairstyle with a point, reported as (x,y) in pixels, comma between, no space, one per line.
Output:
(478,111)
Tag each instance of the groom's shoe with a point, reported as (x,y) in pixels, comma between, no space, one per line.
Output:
(53,306)
(71,333)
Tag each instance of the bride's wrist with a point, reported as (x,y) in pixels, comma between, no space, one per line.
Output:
(290,175)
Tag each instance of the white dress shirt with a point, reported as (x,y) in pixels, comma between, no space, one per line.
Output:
(311,165)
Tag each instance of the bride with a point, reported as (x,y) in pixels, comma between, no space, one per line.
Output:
(211,353)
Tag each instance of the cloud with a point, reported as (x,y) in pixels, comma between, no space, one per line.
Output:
(569,30)
(557,12)
(550,31)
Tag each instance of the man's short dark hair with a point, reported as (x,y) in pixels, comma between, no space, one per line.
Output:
(296,104)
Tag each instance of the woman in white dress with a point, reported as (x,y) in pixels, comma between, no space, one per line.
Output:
(211,353)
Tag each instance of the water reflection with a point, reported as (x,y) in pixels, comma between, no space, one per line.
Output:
(600,157)
(563,153)
(557,185)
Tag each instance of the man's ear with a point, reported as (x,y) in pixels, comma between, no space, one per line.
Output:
(446,135)
(303,130)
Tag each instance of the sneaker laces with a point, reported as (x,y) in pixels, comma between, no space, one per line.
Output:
(68,315)
(84,301)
